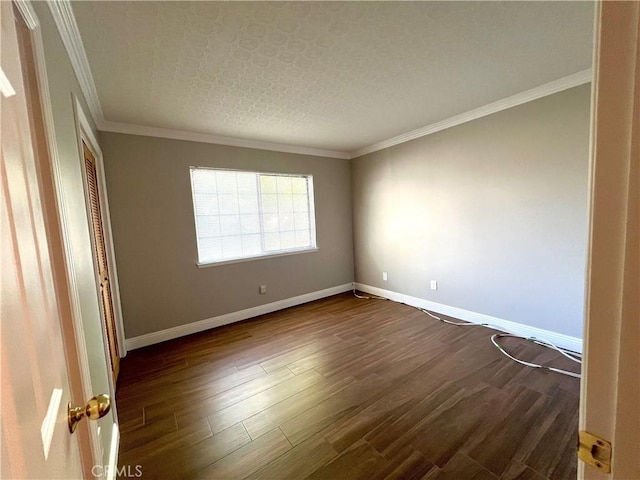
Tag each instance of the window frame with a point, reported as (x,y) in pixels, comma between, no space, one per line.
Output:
(281,253)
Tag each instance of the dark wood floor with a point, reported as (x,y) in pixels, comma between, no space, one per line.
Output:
(346,388)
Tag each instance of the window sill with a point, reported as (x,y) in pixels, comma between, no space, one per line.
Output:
(260,257)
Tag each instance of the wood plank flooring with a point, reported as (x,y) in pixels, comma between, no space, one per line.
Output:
(345,388)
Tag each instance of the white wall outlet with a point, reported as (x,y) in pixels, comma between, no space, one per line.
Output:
(434,285)
(263,289)
(384,276)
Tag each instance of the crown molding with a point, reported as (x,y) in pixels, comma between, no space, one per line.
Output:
(564,83)
(132,129)
(65,21)
(27,12)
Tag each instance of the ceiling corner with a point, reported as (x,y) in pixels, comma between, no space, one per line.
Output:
(556,86)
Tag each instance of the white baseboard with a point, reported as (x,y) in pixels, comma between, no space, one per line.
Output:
(565,341)
(195,327)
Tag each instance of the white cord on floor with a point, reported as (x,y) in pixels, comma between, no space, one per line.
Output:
(373,297)
(494,340)
(576,357)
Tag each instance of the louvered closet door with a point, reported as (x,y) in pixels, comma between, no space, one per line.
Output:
(101,260)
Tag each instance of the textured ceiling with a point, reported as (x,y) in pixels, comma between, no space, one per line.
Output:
(331,75)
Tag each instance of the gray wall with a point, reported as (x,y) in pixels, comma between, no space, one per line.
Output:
(495,210)
(154,234)
(63,85)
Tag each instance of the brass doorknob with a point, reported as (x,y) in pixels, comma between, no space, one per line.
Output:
(95,408)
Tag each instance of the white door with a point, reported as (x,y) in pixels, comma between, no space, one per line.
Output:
(610,397)
(39,358)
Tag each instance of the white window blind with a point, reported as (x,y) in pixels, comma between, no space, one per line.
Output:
(243,214)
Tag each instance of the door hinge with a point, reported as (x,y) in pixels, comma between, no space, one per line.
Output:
(594,451)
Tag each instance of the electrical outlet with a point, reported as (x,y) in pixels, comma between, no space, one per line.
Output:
(263,289)
(384,276)
(434,285)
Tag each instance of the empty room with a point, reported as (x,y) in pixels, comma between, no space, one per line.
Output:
(320,240)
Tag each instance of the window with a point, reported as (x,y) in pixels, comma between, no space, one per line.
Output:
(243,214)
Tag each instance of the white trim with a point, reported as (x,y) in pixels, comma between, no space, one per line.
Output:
(65,235)
(68,28)
(582,418)
(556,86)
(209,323)
(85,133)
(564,83)
(131,129)
(257,257)
(28,14)
(65,20)
(112,466)
(565,341)
(83,127)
